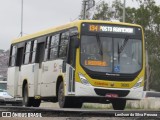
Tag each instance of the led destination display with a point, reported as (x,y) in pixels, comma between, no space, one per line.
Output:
(111,29)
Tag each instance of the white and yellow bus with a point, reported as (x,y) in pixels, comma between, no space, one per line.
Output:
(83,61)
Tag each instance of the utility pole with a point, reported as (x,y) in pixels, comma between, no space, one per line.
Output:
(124,10)
(84,9)
(21,33)
(86,6)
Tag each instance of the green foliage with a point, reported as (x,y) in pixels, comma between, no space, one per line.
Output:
(102,12)
(147,14)
(155,78)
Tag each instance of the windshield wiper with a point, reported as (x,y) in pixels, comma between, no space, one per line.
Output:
(99,44)
(121,48)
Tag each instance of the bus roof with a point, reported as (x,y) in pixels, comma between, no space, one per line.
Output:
(62,27)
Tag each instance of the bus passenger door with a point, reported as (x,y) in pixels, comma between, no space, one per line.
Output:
(49,74)
(28,71)
(39,60)
(13,73)
(14,70)
(70,66)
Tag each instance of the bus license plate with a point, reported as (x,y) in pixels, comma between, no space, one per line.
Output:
(111,95)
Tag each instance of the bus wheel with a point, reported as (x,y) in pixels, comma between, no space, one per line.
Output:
(36,103)
(66,102)
(61,98)
(27,101)
(119,104)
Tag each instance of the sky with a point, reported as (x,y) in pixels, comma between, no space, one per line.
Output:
(38,15)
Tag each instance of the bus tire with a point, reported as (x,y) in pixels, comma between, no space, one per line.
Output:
(62,100)
(66,102)
(27,101)
(119,104)
(36,103)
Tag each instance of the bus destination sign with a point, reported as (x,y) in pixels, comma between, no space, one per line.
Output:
(111,29)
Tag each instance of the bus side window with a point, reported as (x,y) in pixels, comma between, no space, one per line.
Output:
(13,56)
(47,49)
(40,53)
(27,52)
(54,47)
(33,51)
(19,59)
(63,45)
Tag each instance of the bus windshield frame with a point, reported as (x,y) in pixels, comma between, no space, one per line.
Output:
(120,40)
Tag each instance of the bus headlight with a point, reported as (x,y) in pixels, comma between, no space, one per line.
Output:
(138,84)
(84,80)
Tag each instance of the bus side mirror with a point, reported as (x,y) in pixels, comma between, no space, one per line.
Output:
(76,42)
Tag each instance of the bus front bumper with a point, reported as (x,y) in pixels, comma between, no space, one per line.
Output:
(91,91)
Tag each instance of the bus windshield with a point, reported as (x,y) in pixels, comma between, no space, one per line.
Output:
(111,54)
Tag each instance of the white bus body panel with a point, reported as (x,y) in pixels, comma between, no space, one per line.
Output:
(39,81)
(12,80)
(36,72)
(30,74)
(50,72)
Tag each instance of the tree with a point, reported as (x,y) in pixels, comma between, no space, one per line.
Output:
(102,12)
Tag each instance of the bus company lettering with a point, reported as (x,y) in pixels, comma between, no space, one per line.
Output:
(101,83)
